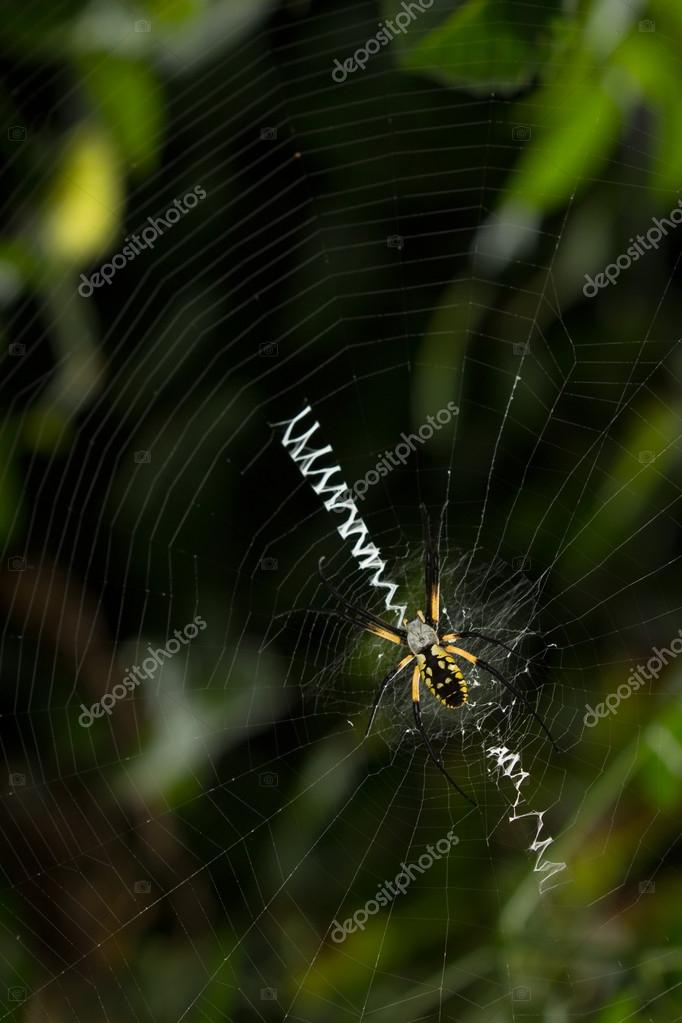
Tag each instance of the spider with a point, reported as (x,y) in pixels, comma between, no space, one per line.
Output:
(431,651)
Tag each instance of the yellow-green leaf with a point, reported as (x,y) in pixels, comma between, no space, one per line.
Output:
(83,209)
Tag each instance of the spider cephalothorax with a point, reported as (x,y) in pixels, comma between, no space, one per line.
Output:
(419,634)
(433,654)
(438,669)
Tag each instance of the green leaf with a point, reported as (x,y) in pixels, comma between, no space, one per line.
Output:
(632,484)
(487,44)
(438,364)
(173,12)
(625,1004)
(574,126)
(128,97)
(82,211)
(652,64)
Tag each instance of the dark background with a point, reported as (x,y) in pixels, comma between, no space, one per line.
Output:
(184,857)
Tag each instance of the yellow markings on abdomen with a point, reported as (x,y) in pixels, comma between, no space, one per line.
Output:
(443,677)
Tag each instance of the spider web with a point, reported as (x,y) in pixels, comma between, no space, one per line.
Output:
(186,858)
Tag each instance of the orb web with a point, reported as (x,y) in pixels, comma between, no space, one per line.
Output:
(185,858)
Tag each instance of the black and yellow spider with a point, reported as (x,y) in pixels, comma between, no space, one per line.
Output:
(432,651)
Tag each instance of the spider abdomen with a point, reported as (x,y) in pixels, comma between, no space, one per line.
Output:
(442,677)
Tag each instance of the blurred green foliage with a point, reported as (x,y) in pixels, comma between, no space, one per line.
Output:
(184,858)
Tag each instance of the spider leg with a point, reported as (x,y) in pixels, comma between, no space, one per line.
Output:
(364,619)
(385,632)
(392,675)
(427,742)
(432,568)
(451,636)
(507,684)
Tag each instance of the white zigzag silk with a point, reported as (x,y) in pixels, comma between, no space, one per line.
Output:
(367,555)
(508,763)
